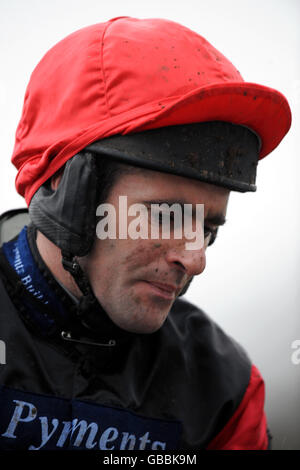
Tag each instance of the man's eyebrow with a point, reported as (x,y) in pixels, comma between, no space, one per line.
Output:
(214,219)
(165,201)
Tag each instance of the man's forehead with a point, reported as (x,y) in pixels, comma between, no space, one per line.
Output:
(167,180)
(161,187)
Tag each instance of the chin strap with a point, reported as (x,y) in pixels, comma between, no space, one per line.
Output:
(89,310)
(88,302)
(71,265)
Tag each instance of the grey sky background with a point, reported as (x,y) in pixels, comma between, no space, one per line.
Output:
(251,283)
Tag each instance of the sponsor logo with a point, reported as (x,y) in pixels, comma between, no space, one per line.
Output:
(54,423)
(26,278)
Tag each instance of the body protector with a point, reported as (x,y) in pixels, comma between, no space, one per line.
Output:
(127,90)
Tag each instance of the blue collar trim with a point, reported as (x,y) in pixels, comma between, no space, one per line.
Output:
(19,256)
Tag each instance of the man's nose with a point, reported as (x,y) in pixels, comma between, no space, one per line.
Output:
(192,262)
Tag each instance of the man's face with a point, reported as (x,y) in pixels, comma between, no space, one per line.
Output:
(137,280)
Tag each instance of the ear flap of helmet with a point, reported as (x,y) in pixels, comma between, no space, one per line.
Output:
(67,215)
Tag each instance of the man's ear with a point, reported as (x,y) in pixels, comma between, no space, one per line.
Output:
(55,179)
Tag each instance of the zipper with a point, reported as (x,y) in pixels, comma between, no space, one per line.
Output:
(66,335)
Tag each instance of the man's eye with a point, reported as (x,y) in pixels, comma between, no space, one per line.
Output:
(165,217)
(210,232)
(207,231)
(160,217)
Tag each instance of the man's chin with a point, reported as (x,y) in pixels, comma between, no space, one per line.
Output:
(144,326)
(134,319)
(145,330)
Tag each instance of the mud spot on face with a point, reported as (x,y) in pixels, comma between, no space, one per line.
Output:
(137,300)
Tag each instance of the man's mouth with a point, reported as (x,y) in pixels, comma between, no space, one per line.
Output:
(166,291)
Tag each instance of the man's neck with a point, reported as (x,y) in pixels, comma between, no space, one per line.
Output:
(51,256)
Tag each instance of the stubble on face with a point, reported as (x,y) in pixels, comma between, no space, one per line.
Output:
(120,285)
(121,271)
